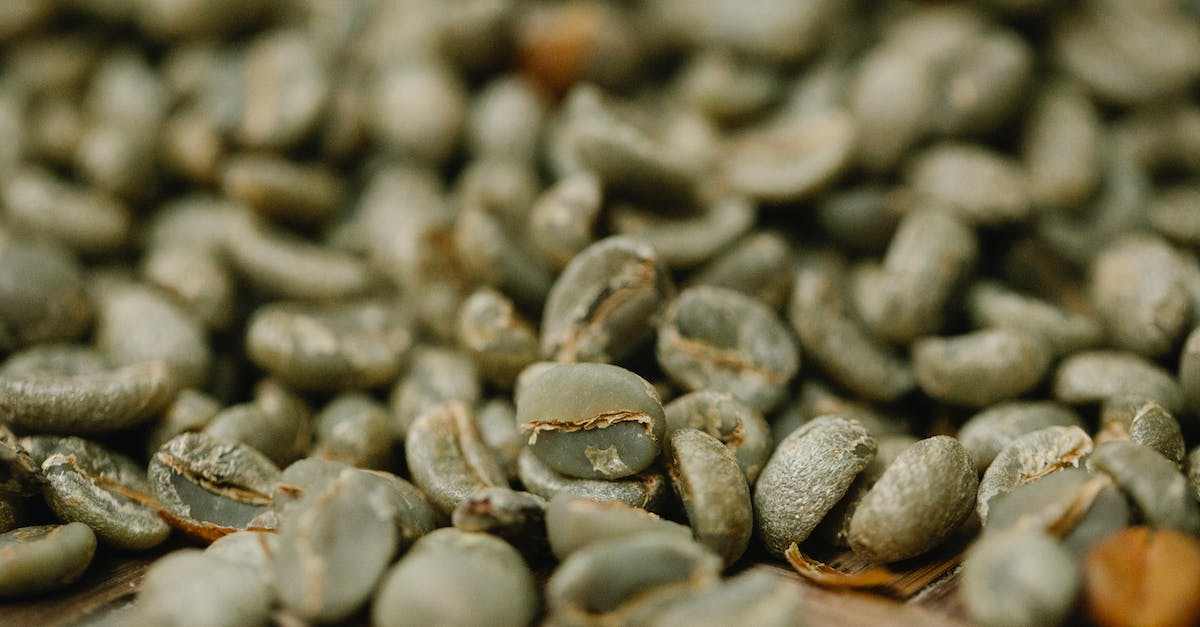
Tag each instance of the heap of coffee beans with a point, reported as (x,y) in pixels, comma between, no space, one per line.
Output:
(501,312)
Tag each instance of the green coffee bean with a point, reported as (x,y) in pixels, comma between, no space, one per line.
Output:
(435,376)
(737,425)
(1152,482)
(835,340)
(208,488)
(356,429)
(189,587)
(1146,316)
(83,220)
(573,522)
(108,492)
(979,368)
(562,221)
(506,119)
(726,87)
(1080,507)
(457,577)
(281,189)
(889,72)
(1020,577)
(605,302)
(196,277)
(922,497)
(1189,371)
(282,436)
(988,432)
(834,529)
(790,157)
(447,458)
(418,108)
(755,597)
(500,341)
(333,548)
(136,324)
(1028,457)
(993,305)
(757,266)
(288,267)
(20,473)
(1060,143)
(689,237)
(337,347)
(979,185)
(719,339)
(493,255)
(1175,214)
(816,399)
(592,421)
(67,389)
(200,221)
(1093,376)
(764,30)
(807,475)
(647,489)
(496,420)
(1144,422)
(35,560)
(519,518)
(712,487)
(255,550)
(42,296)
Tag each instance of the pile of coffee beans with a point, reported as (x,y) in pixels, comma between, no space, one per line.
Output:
(503,312)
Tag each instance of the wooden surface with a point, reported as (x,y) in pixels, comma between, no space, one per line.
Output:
(925,595)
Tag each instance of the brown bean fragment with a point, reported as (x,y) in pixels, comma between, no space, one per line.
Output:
(1144,576)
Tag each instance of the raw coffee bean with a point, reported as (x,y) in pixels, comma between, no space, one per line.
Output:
(757,265)
(460,578)
(712,487)
(36,560)
(592,421)
(284,89)
(834,339)
(197,220)
(925,494)
(496,420)
(436,375)
(563,219)
(506,120)
(196,277)
(285,266)
(1189,371)
(816,399)
(500,341)
(1062,332)
(930,254)
(1144,422)
(779,32)
(1152,482)
(1175,214)
(1109,514)
(647,489)
(329,347)
(689,237)
(807,475)
(1080,507)
(135,324)
(719,339)
(42,296)
(1032,455)
(252,549)
(573,522)
(979,185)
(980,368)
(755,597)
(355,429)
(447,458)
(1019,577)
(1135,286)
(208,488)
(282,436)
(737,425)
(862,218)
(41,393)
(191,145)
(725,87)
(891,96)
(1061,143)
(191,588)
(988,432)
(108,492)
(1143,576)
(605,302)
(283,190)
(85,221)
(333,548)
(612,577)
(834,529)
(518,518)
(791,157)
(418,109)
(994,68)
(488,253)
(1093,376)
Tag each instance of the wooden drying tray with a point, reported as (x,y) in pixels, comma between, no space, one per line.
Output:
(925,596)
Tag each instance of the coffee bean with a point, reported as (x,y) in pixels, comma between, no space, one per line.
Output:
(1019,577)
(1146,316)
(690,236)
(137,324)
(1143,576)
(757,266)
(1093,376)
(280,189)
(647,489)
(1028,457)
(447,458)
(1062,332)
(355,429)
(790,158)
(988,432)
(197,278)
(436,375)
(190,587)
(573,522)
(43,559)
(1060,144)
(42,296)
(980,186)
(1152,482)
(738,426)
(707,479)
(753,597)
(562,221)
(980,368)
(83,220)
(518,518)
(501,342)
(1144,422)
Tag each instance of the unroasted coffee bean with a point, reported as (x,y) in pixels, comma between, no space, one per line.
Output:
(436,375)
(519,518)
(282,436)
(1073,504)
(506,119)
(1019,577)
(891,96)
(189,587)
(988,432)
(836,341)
(491,254)
(835,527)
(1192,470)
(757,266)
(1152,482)
(612,577)
(592,421)
(358,345)
(719,339)
(501,342)
(196,277)
(67,389)
(562,221)
(807,474)
(20,473)
(1176,214)
(922,498)
(446,457)
(755,597)
(726,87)
(42,296)
(1093,376)
(418,109)
(288,267)
(35,560)
(980,186)
(457,577)
(929,255)
(1144,422)
(1189,370)
(136,324)
(83,220)
(284,89)
(647,489)
(993,305)
(1144,576)
(209,488)
(979,368)
(1145,315)
(1061,144)
(108,492)
(790,158)
(283,190)
(712,487)
(816,399)
(606,301)
(573,522)
(333,547)
(1028,457)
(355,429)
(252,549)
(689,237)
(737,425)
